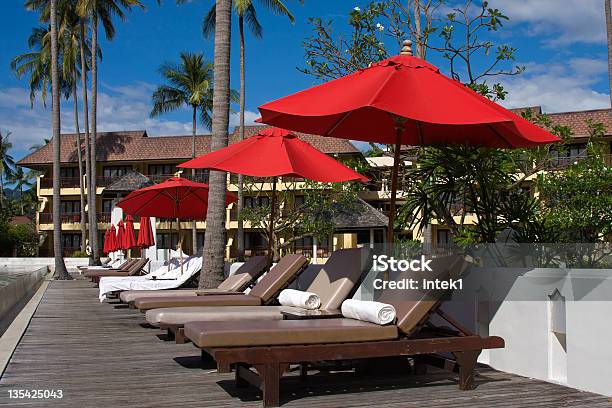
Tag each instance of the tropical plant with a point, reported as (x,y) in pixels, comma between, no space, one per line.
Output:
(98,11)
(21,179)
(214,238)
(60,268)
(189,83)
(7,163)
(245,10)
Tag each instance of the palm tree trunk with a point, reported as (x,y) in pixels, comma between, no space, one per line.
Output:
(609,32)
(214,241)
(194,232)
(93,225)
(91,194)
(1,187)
(60,267)
(80,158)
(21,198)
(240,229)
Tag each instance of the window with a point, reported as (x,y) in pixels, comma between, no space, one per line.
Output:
(71,241)
(69,172)
(162,169)
(254,240)
(444,238)
(70,206)
(115,171)
(200,240)
(299,201)
(107,205)
(256,202)
(166,240)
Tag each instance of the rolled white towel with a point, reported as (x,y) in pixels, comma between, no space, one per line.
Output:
(298,298)
(374,312)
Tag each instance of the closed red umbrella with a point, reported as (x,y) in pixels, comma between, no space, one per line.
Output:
(402,100)
(274,152)
(121,236)
(112,239)
(129,238)
(145,234)
(105,247)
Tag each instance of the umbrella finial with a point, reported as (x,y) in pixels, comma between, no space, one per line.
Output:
(406,48)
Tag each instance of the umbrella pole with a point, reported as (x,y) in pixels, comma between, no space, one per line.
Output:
(399,128)
(271,227)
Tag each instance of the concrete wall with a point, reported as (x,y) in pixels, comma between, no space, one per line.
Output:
(34,263)
(21,285)
(555,322)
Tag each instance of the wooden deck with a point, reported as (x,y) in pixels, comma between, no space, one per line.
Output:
(102,356)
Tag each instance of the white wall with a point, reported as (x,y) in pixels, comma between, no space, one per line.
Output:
(520,311)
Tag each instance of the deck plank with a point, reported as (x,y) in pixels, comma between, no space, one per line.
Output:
(101,355)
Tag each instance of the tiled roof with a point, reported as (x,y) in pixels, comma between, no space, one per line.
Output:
(130,181)
(362,215)
(136,146)
(577,121)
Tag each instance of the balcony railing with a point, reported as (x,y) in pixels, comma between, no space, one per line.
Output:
(71,218)
(73,182)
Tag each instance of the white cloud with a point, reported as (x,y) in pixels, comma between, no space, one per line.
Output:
(124,107)
(558,23)
(558,87)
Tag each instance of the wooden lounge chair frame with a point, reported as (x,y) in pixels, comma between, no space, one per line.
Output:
(177,332)
(263,366)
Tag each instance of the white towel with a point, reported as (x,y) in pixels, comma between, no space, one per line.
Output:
(374,312)
(298,298)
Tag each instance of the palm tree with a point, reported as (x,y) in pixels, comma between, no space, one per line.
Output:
(214,241)
(38,146)
(245,10)
(189,84)
(7,163)
(60,267)
(609,34)
(21,179)
(98,11)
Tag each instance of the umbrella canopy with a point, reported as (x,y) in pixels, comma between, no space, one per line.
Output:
(173,198)
(276,152)
(120,239)
(112,239)
(145,234)
(105,247)
(402,100)
(129,238)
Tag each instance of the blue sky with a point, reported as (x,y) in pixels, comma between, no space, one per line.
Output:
(563,48)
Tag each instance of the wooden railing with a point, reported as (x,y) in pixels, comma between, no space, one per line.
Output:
(71,218)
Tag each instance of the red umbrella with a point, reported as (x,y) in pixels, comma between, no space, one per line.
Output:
(129,239)
(274,152)
(145,234)
(402,100)
(173,198)
(105,248)
(112,239)
(120,236)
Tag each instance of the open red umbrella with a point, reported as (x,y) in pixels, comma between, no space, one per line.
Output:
(173,198)
(274,152)
(121,236)
(129,238)
(145,234)
(402,100)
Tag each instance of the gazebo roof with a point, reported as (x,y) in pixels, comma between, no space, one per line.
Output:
(361,215)
(130,181)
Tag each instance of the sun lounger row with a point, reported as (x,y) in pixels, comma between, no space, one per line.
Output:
(260,337)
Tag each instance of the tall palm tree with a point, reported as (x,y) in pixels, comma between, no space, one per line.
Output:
(21,179)
(609,34)
(7,163)
(245,10)
(60,268)
(189,84)
(214,240)
(98,11)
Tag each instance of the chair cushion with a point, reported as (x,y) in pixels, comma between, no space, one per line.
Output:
(285,332)
(131,295)
(182,301)
(178,316)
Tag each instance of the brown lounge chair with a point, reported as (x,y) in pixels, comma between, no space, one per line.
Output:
(135,268)
(122,267)
(263,293)
(335,282)
(271,346)
(248,273)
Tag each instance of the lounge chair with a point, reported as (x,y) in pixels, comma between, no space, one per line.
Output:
(271,346)
(162,278)
(248,273)
(110,264)
(263,293)
(334,282)
(123,266)
(135,268)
